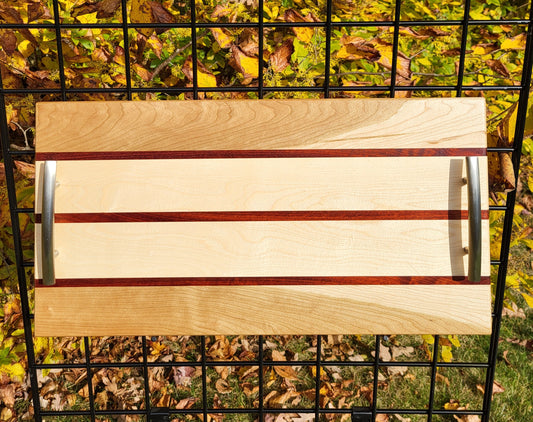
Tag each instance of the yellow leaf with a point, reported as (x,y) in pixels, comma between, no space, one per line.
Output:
(424,61)
(272,13)
(14,370)
(18,61)
(322,371)
(157,347)
(528,299)
(446,353)
(206,80)
(304,34)
(18,332)
(452,405)
(515,43)
(324,390)
(428,339)
(248,66)
(483,49)
(6,414)
(8,343)
(513,281)
(425,9)
(454,340)
(26,48)
(106,79)
(141,12)
(48,35)
(223,37)
(88,18)
(477,14)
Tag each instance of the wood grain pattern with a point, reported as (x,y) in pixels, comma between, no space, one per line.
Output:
(255,125)
(263,248)
(283,184)
(168,310)
(165,186)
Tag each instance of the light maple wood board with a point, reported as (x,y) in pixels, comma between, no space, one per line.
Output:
(263,249)
(260,124)
(399,183)
(416,233)
(256,310)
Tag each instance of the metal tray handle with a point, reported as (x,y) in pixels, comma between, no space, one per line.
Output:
(474,219)
(47,223)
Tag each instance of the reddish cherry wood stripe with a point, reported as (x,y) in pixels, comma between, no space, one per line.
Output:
(260,281)
(284,153)
(150,217)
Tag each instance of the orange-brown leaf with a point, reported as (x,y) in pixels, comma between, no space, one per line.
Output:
(38,11)
(186,403)
(142,72)
(220,11)
(507,171)
(292,15)
(453,52)
(413,34)
(403,62)
(100,55)
(354,48)
(161,15)
(107,8)
(498,67)
(467,418)
(84,9)
(286,372)
(119,57)
(11,15)
(222,386)
(40,79)
(432,31)
(280,59)
(497,388)
(8,41)
(248,43)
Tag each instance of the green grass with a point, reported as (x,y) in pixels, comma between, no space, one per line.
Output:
(411,389)
(516,376)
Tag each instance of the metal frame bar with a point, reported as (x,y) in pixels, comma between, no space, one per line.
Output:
(374,365)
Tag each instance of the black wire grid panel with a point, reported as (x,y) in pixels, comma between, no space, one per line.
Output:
(202,363)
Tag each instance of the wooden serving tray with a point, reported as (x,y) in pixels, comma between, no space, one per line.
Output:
(260,217)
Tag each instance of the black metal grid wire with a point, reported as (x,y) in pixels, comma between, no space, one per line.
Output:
(326,90)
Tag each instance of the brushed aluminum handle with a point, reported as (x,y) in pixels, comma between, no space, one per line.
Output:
(474,219)
(47,223)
